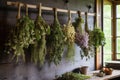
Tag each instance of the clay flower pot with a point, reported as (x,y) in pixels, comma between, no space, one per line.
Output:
(83,69)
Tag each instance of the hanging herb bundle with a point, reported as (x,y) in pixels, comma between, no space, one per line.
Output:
(90,49)
(81,37)
(41,30)
(86,23)
(22,36)
(55,41)
(69,33)
(97,37)
(78,23)
(82,41)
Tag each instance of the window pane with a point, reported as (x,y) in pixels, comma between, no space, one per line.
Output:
(107,47)
(118,56)
(118,11)
(107,27)
(107,11)
(118,45)
(107,57)
(118,27)
(107,31)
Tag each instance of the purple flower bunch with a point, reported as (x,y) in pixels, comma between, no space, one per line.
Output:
(82,40)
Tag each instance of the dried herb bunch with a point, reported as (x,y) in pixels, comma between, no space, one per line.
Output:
(97,37)
(82,41)
(69,33)
(39,48)
(55,41)
(81,37)
(22,36)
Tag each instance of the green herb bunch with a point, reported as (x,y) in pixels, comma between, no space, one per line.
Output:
(97,37)
(55,41)
(72,76)
(22,36)
(39,48)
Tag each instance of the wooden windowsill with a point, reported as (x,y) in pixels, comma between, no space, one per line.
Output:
(117,62)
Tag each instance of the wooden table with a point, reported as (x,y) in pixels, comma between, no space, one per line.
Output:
(115,73)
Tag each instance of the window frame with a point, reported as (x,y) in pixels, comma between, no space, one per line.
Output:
(116,36)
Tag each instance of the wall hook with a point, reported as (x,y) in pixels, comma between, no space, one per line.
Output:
(66,1)
(89,7)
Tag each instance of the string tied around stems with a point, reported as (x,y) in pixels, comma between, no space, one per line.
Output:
(40,11)
(26,6)
(19,10)
(86,22)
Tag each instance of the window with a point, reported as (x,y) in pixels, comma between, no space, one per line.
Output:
(111,28)
(107,26)
(118,31)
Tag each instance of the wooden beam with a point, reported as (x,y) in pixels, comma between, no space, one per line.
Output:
(44,8)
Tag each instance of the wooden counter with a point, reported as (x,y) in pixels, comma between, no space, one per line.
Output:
(115,73)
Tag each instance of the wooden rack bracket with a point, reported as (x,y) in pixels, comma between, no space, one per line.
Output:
(44,8)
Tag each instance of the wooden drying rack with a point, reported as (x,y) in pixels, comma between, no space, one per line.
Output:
(44,8)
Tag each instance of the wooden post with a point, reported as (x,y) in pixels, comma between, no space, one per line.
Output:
(98,56)
(114,31)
